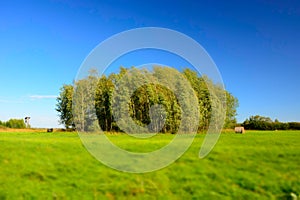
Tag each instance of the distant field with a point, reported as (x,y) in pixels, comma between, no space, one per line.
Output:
(257,165)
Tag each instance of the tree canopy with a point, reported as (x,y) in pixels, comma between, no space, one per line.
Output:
(156,100)
(258,122)
(13,123)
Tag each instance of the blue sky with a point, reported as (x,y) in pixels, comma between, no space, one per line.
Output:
(255,45)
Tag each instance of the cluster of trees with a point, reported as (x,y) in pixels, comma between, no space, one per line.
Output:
(140,95)
(13,123)
(266,123)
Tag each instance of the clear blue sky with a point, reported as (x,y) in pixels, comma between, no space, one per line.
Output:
(255,45)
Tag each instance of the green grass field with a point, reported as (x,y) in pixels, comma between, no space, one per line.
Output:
(257,165)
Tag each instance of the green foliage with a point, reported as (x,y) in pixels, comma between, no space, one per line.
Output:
(204,100)
(64,106)
(103,103)
(13,123)
(231,106)
(206,90)
(265,123)
(150,95)
(84,103)
(294,125)
(95,95)
(258,123)
(84,113)
(2,124)
(258,165)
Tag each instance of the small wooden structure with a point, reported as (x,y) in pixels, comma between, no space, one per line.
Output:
(239,129)
(27,122)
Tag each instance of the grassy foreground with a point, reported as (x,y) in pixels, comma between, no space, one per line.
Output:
(257,165)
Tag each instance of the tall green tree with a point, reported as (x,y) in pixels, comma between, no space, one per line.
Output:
(204,100)
(103,102)
(185,96)
(209,93)
(64,106)
(231,112)
(84,113)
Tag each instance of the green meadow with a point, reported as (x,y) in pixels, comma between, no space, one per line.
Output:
(256,165)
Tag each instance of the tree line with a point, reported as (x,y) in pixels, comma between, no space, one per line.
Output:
(95,95)
(258,122)
(13,123)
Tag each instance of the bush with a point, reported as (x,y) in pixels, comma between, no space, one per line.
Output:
(265,123)
(294,125)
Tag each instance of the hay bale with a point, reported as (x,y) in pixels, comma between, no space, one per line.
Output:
(239,129)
